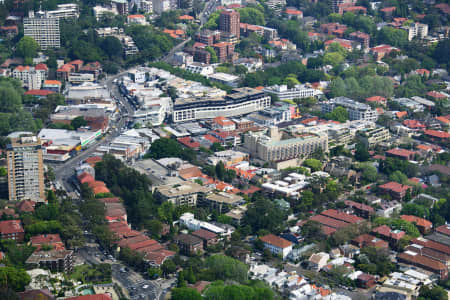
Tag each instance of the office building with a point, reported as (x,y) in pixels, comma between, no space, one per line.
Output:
(356,110)
(241,101)
(276,145)
(45,31)
(297,92)
(25,169)
(229,22)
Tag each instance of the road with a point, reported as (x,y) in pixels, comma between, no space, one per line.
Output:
(174,50)
(64,172)
(133,284)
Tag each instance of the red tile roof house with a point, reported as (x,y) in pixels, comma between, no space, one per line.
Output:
(26,206)
(423,225)
(430,253)
(42,294)
(377,99)
(12,230)
(189,142)
(365,281)
(341,216)
(437,134)
(395,189)
(277,245)
(412,258)
(414,125)
(209,238)
(401,153)
(429,244)
(91,297)
(391,236)
(53,240)
(367,240)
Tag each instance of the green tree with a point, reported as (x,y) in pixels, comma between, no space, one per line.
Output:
(251,15)
(220,267)
(78,122)
(434,293)
(399,177)
(154,272)
(186,294)
(168,267)
(27,47)
(112,46)
(264,214)
(369,172)
(339,114)
(13,278)
(314,164)
(361,153)
(211,51)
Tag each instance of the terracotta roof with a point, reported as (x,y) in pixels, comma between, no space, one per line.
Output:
(295,12)
(401,114)
(367,240)
(211,138)
(413,124)
(204,234)
(41,294)
(136,17)
(422,261)
(42,67)
(422,72)
(432,245)
(188,142)
(388,9)
(110,200)
(52,82)
(437,134)
(444,229)
(332,213)
(10,226)
(142,244)
(436,95)
(419,221)
(395,187)
(222,121)
(159,257)
(93,160)
(360,206)
(329,221)
(376,99)
(186,17)
(85,178)
(39,92)
(443,119)
(22,68)
(26,206)
(400,152)
(276,241)
(386,231)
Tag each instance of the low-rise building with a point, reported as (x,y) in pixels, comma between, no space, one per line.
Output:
(226,79)
(423,225)
(297,92)
(395,189)
(221,202)
(186,193)
(372,137)
(209,238)
(55,260)
(356,110)
(318,260)
(277,245)
(189,244)
(12,230)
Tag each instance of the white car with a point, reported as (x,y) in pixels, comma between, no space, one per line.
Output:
(145,287)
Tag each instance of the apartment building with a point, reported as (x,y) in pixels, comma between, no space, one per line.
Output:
(418,30)
(160,6)
(187,193)
(146,6)
(229,22)
(64,11)
(277,245)
(275,145)
(336,3)
(44,30)
(31,77)
(240,101)
(276,5)
(12,230)
(297,92)
(374,136)
(54,260)
(208,37)
(356,110)
(25,169)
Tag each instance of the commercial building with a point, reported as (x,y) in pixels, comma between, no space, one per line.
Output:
(277,146)
(241,101)
(229,22)
(297,92)
(45,31)
(186,193)
(356,110)
(25,169)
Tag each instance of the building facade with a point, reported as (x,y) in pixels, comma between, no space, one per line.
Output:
(278,146)
(45,31)
(356,110)
(229,22)
(299,91)
(25,169)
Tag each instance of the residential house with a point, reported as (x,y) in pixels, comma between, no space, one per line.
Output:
(318,260)
(423,225)
(12,230)
(209,238)
(395,189)
(277,245)
(367,240)
(189,244)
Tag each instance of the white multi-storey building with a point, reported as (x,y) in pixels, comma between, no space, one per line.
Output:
(147,6)
(45,31)
(356,110)
(299,91)
(417,30)
(63,11)
(275,145)
(241,101)
(31,77)
(160,6)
